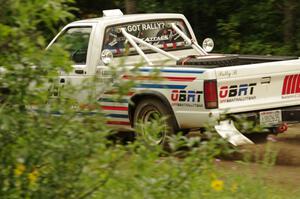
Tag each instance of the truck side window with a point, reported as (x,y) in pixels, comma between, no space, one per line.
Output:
(75,40)
(155,32)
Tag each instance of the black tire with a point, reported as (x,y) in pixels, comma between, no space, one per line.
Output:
(146,110)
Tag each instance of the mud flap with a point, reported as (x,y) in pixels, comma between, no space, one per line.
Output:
(227,130)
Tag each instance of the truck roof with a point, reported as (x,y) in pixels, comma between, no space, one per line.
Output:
(129,18)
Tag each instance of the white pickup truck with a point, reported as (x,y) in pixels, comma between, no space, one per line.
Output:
(194,87)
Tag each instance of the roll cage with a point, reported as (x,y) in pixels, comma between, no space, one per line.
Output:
(134,40)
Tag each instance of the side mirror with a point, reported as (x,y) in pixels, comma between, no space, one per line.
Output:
(208,45)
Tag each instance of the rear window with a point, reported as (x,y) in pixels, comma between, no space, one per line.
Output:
(158,33)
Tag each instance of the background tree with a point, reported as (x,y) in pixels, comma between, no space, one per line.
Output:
(264,27)
(289,22)
(130,6)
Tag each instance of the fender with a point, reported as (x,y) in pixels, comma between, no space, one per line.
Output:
(140,96)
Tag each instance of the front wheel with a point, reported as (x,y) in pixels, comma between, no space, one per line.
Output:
(149,111)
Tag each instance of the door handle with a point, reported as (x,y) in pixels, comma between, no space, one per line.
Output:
(79,71)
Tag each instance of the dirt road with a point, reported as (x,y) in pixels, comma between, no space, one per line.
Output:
(285,147)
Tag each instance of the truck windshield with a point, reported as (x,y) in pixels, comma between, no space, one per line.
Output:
(158,33)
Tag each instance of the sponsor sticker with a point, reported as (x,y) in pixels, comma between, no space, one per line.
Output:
(187,98)
(291,86)
(236,93)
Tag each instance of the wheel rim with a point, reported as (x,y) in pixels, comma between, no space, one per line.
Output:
(154,137)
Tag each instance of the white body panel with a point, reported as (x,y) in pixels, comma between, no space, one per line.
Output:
(268,77)
(267,93)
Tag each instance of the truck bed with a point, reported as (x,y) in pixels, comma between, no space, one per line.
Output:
(214,61)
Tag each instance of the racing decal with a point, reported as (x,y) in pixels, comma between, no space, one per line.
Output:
(291,86)
(228,74)
(171,70)
(145,26)
(113,100)
(113,115)
(235,93)
(187,98)
(116,115)
(115,92)
(179,79)
(125,123)
(161,86)
(156,32)
(115,108)
(153,39)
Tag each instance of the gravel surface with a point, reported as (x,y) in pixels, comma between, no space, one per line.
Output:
(286,171)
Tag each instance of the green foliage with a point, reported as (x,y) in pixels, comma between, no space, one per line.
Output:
(245,27)
(42,154)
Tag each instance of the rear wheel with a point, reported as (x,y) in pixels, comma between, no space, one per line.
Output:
(153,110)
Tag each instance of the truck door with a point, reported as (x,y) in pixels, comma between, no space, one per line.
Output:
(77,42)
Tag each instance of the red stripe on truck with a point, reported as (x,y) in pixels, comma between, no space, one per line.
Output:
(291,84)
(294,81)
(118,123)
(115,108)
(298,84)
(284,88)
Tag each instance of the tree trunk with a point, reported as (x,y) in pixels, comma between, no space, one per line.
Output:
(130,6)
(289,24)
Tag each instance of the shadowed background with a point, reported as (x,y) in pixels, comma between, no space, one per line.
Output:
(246,27)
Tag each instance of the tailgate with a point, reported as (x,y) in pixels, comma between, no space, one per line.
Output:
(259,86)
